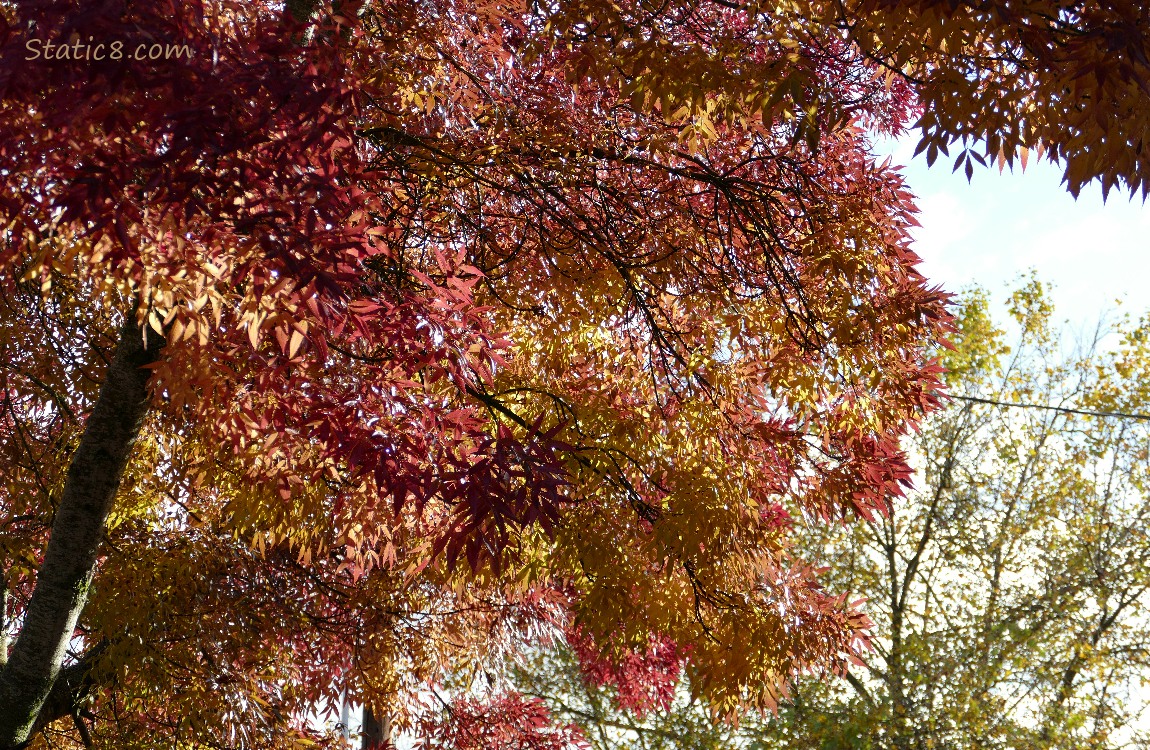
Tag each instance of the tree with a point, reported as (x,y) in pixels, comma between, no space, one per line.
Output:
(1013,586)
(460,321)
(1009,590)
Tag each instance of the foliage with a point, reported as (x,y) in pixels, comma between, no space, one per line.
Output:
(1009,591)
(479,321)
(507,721)
(1071,79)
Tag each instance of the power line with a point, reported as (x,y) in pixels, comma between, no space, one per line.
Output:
(1063,409)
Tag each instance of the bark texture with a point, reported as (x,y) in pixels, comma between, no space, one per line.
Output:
(35,663)
(376,731)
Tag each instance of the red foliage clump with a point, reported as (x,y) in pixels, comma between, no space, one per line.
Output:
(642,680)
(507,722)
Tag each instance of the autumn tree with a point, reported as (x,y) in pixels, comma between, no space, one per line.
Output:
(1009,591)
(345,347)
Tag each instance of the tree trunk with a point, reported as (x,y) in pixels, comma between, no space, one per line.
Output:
(376,732)
(62,582)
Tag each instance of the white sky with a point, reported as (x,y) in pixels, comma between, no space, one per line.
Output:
(998,226)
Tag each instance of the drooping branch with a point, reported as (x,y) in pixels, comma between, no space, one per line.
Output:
(62,582)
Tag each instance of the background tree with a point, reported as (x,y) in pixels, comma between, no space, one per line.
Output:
(1009,591)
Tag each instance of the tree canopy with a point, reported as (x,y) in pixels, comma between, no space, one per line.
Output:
(347,347)
(1009,590)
